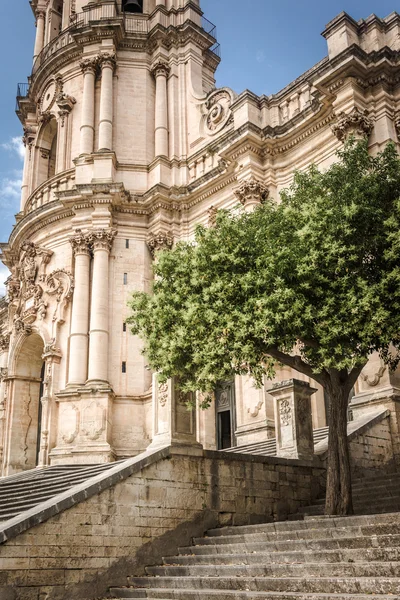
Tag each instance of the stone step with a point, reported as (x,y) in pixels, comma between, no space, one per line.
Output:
(379,478)
(302,534)
(342,555)
(208,594)
(317,569)
(317,522)
(385,505)
(317,585)
(298,544)
(43,476)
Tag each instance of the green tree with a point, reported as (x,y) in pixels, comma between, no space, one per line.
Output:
(312,282)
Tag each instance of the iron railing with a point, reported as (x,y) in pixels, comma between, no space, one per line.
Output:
(135,25)
(102,12)
(209,27)
(22,94)
(216,50)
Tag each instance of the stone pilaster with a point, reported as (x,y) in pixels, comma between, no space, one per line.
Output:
(89,67)
(161,71)
(173,423)
(65,104)
(28,141)
(40,27)
(52,359)
(4,350)
(107,63)
(293,419)
(102,241)
(251,193)
(79,339)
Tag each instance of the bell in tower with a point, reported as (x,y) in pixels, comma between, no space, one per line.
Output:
(132,6)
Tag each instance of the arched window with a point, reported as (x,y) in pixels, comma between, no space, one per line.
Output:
(47,152)
(132,6)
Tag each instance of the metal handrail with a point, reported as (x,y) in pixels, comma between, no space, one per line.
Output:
(209,27)
(22,93)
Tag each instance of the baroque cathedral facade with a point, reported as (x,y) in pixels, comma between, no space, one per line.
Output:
(129,145)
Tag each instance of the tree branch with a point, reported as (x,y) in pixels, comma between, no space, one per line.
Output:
(295,362)
(354,375)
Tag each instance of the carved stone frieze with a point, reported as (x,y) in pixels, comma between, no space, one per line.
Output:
(163,394)
(159,241)
(252,191)
(397,123)
(93,421)
(285,412)
(356,122)
(3,373)
(218,107)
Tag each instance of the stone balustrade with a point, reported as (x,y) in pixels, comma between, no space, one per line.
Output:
(45,193)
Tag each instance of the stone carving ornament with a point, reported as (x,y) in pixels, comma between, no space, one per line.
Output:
(163,394)
(252,190)
(219,112)
(160,67)
(159,241)
(373,381)
(285,412)
(93,421)
(356,122)
(4,342)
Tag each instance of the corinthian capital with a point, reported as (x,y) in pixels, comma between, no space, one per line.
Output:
(107,59)
(80,243)
(159,241)
(252,191)
(356,122)
(40,13)
(102,239)
(160,67)
(89,65)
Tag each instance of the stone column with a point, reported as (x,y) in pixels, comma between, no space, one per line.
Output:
(160,71)
(4,347)
(107,63)
(251,193)
(79,339)
(173,423)
(88,67)
(102,241)
(28,140)
(52,358)
(39,40)
(293,419)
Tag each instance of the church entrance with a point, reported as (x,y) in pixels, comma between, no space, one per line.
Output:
(24,407)
(225,414)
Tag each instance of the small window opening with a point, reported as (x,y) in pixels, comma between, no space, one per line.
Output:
(125,278)
(124,367)
(126,243)
(124,327)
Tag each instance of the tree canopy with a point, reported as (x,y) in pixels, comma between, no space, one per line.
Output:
(319,271)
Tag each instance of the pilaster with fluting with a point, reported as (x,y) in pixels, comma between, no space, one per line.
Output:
(88,67)
(79,338)
(102,241)
(161,71)
(107,63)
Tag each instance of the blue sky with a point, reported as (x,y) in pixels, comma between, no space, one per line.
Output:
(265,45)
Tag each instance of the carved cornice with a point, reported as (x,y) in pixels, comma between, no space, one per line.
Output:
(159,241)
(102,239)
(160,67)
(356,122)
(252,190)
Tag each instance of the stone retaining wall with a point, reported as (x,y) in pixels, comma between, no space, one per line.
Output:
(82,551)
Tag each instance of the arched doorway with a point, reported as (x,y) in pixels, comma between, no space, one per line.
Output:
(24,410)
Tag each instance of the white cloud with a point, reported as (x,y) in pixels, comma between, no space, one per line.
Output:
(10,193)
(4,274)
(15,146)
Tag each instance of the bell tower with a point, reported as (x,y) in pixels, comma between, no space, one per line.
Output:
(110,113)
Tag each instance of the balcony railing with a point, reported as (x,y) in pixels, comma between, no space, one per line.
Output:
(209,27)
(216,50)
(22,94)
(135,25)
(103,12)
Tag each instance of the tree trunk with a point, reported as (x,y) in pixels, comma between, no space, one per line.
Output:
(338,486)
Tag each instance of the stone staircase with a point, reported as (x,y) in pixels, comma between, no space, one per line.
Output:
(26,490)
(268,447)
(311,558)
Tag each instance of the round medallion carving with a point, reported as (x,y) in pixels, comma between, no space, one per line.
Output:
(48,97)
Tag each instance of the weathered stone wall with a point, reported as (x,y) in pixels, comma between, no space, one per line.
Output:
(97,543)
(372,449)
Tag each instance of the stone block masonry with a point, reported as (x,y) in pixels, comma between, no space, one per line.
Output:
(80,551)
